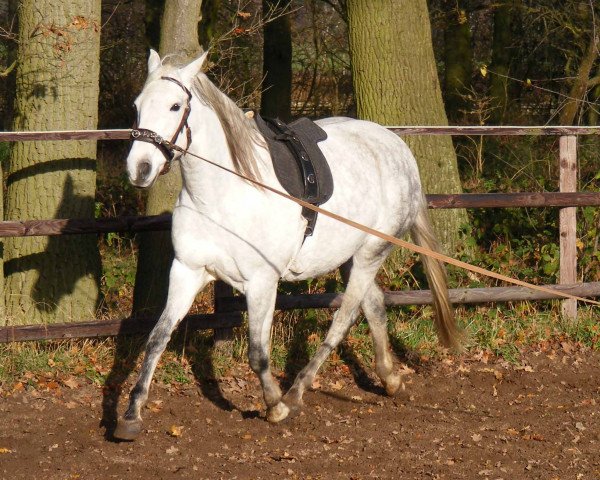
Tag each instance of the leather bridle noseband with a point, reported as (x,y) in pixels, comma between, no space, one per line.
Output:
(168,147)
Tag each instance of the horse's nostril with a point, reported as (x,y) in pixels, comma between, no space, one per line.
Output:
(144,169)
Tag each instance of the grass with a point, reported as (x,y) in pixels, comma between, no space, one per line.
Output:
(500,330)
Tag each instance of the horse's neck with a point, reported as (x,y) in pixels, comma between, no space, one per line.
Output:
(201,179)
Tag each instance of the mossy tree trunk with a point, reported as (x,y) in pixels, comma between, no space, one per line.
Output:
(7,54)
(179,35)
(54,279)
(396,83)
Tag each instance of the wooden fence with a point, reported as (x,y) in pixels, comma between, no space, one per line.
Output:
(228,307)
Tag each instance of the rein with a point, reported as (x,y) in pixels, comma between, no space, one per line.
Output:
(384,236)
(168,147)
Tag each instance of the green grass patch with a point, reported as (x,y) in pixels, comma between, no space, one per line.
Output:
(501,330)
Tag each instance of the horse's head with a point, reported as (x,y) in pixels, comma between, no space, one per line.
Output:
(162,107)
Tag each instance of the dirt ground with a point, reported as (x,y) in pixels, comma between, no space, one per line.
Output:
(470,417)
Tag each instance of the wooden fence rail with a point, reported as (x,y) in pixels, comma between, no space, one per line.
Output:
(228,306)
(124,134)
(222,321)
(134,224)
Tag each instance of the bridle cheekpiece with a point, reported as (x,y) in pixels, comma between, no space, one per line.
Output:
(168,147)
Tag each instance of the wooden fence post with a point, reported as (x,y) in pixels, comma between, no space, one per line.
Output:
(568,221)
(223,336)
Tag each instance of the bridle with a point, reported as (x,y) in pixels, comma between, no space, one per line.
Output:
(168,147)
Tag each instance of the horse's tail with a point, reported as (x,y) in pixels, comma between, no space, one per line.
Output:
(449,334)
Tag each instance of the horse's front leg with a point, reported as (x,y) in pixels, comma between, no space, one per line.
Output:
(260,298)
(184,284)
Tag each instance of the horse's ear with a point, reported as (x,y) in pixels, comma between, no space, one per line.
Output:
(153,61)
(194,67)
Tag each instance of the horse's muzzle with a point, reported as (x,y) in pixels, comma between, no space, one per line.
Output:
(141,176)
(143,171)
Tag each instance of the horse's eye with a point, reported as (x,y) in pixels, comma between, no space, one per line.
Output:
(175,107)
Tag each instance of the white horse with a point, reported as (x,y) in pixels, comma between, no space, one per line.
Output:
(224,227)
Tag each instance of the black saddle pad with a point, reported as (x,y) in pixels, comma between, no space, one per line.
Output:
(287,165)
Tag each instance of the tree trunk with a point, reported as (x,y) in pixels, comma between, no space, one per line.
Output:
(458,59)
(396,83)
(6,100)
(501,55)
(124,54)
(51,279)
(276,99)
(179,35)
(579,88)
(594,84)
(210,11)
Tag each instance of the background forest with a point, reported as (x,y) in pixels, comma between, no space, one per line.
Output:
(502,62)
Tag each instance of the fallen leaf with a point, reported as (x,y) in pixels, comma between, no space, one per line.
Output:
(172,450)
(5,450)
(176,430)
(71,382)
(337,385)
(525,368)
(476,437)
(567,347)
(534,436)
(155,406)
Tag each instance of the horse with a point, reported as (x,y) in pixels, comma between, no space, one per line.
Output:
(226,227)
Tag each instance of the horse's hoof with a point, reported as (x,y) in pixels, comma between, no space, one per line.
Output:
(392,384)
(277,413)
(127,429)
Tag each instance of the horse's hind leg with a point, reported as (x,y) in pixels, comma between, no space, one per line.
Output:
(361,277)
(373,306)
(184,283)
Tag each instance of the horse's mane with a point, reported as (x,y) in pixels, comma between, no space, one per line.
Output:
(240,131)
